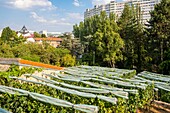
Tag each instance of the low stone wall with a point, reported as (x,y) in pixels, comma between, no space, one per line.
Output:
(9,61)
(22,63)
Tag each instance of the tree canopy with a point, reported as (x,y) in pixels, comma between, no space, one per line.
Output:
(158,33)
(10,37)
(100,38)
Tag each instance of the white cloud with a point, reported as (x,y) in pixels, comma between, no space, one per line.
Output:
(63,19)
(43,20)
(49,8)
(100,2)
(38,18)
(76,16)
(76,3)
(27,4)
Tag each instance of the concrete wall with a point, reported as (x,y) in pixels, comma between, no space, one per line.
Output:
(9,61)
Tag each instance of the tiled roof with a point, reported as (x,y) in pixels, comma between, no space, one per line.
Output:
(48,39)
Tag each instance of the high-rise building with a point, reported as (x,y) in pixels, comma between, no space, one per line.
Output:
(117,8)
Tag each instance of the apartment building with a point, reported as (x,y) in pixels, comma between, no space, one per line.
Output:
(117,8)
(95,11)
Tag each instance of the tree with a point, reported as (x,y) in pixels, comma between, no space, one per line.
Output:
(159,32)
(10,37)
(132,32)
(43,36)
(7,34)
(37,35)
(29,51)
(72,44)
(108,40)
(125,23)
(100,39)
(165,65)
(76,30)
(17,39)
(139,38)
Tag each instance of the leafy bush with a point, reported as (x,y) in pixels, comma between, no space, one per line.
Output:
(165,67)
(44,53)
(68,60)
(14,70)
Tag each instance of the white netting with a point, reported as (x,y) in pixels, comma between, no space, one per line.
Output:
(50,100)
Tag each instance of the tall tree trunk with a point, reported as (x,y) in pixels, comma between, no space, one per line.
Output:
(161,44)
(139,58)
(93,57)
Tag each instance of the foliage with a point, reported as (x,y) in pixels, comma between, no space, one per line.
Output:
(43,36)
(68,60)
(132,31)
(5,51)
(164,67)
(7,34)
(164,96)
(100,39)
(125,31)
(37,35)
(129,75)
(158,33)
(10,37)
(21,104)
(15,71)
(72,44)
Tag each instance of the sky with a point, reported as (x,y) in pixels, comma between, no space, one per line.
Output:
(50,15)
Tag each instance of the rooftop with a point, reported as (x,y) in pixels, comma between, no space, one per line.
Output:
(48,39)
(24,30)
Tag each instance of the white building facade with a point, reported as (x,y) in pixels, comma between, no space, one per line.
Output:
(1,32)
(117,8)
(43,32)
